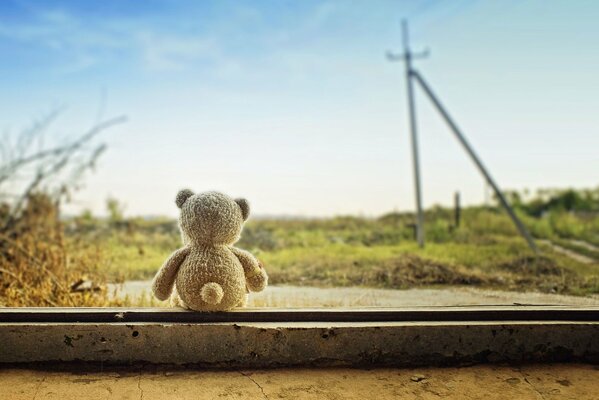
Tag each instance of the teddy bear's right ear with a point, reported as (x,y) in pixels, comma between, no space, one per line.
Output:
(245,208)
(182,197)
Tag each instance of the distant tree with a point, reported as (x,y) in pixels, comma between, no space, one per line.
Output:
(570,200)
(513,197)
(115,211)
(86,215)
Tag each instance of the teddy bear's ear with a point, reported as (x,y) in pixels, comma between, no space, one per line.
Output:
(182,197)
(245,208)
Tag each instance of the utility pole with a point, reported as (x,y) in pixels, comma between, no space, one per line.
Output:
(407,56)
(457,210)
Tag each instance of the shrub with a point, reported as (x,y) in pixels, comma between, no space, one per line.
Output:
(39,267)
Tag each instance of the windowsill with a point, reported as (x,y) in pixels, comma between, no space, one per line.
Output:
(274,337)
(362,314)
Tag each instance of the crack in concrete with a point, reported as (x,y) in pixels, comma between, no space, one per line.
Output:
(426,386)
(141,391)
(37,389)
(255,383)
(532,386)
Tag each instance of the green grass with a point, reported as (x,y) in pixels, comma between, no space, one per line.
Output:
(137,256)
(485,251)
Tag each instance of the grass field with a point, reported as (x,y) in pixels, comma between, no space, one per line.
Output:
(43,258)
(485,251)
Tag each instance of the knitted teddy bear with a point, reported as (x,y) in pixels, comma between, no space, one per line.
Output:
(208,273)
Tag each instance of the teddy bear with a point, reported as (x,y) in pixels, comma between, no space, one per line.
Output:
(208,273)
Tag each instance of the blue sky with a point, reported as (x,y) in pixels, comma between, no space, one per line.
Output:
(293,105)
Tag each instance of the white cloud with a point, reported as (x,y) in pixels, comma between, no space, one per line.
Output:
(162,53)
(83,62)
(85,43)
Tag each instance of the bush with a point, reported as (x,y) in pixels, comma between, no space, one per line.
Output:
(438,231)
(39,267)
(566,225)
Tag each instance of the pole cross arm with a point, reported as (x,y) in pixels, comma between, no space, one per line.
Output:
(391,56)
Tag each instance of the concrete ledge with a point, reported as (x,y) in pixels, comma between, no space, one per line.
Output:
(282,315)
(245,345)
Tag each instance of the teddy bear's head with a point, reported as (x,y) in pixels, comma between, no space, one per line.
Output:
(211,217)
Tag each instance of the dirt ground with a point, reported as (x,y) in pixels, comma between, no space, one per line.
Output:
(307,296)
(555,381)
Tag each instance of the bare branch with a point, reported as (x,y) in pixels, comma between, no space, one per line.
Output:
(50,164)
(7,171)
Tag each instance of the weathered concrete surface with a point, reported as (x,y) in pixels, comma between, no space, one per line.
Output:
(299,344)
(560,381)
(138,293)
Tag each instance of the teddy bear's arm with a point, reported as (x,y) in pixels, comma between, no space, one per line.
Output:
(255,275)
(164,279)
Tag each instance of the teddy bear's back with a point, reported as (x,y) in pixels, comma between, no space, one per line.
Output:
(206,264)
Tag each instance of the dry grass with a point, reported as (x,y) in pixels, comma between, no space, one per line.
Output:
(38,266)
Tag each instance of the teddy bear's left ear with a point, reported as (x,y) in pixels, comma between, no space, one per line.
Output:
(182,197)
(245,208)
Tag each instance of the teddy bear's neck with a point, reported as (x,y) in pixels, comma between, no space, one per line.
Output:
(195,242)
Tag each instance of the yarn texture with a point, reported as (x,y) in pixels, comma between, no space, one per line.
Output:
(208,273)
